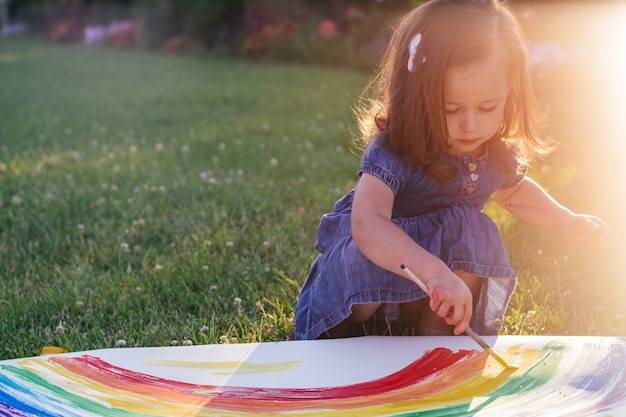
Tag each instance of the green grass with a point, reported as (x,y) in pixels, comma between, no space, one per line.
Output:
(159,200)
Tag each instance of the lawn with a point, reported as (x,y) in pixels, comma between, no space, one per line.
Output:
(150,200)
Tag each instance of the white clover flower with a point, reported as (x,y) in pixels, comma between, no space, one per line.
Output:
(60,329)
(266,244)
(185,148)
(158,268)
(259,306)
(120,343)
(174,342)
(133,149)
(223,339)
(204,329)
(213,287)
(187,342)
(125,247)
(81,228)
(159,147)
(205,267)
(273,162)
(17,199)
(237,301)
(230,243)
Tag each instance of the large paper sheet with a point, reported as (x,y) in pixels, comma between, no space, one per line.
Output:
(366,376)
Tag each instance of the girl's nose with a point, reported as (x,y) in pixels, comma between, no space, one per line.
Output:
(469,122)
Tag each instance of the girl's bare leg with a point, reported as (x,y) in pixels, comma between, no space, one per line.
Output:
(360,314)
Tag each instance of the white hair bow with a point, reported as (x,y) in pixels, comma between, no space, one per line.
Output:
(415,41)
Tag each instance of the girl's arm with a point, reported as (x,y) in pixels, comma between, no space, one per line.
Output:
(529,201)
(385,244)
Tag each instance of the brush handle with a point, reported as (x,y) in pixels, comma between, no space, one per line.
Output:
(415,279)
(477,338)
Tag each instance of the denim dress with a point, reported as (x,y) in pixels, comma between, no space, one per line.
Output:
(446,219)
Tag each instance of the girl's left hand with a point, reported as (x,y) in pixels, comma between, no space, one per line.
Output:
(587,231)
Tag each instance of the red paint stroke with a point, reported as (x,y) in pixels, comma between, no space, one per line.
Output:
(398,386)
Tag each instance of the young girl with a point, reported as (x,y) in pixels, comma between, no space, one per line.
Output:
(452,125)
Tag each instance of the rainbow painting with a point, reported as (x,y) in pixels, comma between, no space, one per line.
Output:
(364,376)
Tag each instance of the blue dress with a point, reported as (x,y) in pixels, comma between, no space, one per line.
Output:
(446,219)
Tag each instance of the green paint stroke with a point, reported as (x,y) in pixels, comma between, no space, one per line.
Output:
(539,374)
(31,379)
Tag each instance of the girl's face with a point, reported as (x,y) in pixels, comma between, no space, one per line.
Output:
(475,96)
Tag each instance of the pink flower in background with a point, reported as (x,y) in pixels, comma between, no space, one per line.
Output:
(327,28)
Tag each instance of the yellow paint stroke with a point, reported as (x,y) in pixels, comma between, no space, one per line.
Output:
(233,367)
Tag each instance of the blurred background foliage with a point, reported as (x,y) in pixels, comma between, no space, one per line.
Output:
(326,32)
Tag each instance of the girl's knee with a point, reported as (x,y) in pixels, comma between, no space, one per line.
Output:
(360,314)
(363,312)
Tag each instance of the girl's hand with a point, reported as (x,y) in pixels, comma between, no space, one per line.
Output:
(451,299)
(587,231)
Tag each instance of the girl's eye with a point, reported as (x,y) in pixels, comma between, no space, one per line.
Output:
(488,109)
(451,111)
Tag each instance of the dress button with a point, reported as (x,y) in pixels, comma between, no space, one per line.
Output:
(472,166)
(473,176)
(469,190)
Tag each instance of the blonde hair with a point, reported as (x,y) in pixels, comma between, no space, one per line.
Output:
(407,107)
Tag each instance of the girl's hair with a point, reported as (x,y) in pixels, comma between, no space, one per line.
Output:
(408,107)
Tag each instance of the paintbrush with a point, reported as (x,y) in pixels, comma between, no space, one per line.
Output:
(468,330)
